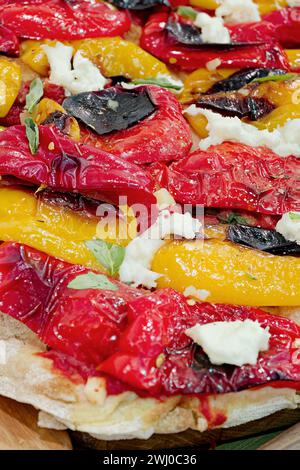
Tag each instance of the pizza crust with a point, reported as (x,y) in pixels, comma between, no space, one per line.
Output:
(29,378)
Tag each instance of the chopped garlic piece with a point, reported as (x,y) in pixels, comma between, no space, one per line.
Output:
(213,64)
(199,294)
(164,199)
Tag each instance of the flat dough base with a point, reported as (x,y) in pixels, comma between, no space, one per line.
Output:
(28,378)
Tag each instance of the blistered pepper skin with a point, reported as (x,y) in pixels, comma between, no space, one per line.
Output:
(235,176)
(187,58)
(64,165)
(54,229)
(286,25)
(229,273)
(10,84)
(163,136)
(57,19)
(9,44)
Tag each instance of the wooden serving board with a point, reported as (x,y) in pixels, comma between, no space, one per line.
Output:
(209,439)
(19,429)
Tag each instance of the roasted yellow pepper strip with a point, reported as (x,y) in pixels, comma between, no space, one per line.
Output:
(278,117)
(294,58)
(230,273)
(114,56)
(200,81)
(285,95)
(33,55)
(46,107)
(10,84)
(53,229)
(206,4)
(267,6)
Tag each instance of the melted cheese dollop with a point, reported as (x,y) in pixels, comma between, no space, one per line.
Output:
(289,226)
(284,140)
(237,342)
(84,76)
(213,30)
(238,11)
(139,253)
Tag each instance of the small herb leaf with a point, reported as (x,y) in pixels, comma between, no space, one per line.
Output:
(233,218)
(109,255)
(188,12)
(34,95)
(32,134)
(164,82)
(276,78)
(294,216)
(92,281)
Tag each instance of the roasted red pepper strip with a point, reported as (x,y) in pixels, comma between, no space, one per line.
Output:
(286,26)
(123,332)
(9,43)
(64,165)
(281,25)
(62,19)
(154,39)
(235,176)
(163,136)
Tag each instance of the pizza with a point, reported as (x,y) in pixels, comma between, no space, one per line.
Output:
(150,212)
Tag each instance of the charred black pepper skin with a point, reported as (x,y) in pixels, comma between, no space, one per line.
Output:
(112,109)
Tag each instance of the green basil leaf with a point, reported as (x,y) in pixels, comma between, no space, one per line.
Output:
(232,218)
(109,255)
(294,216)
(188,12)
(32,134)
(164,82)
(92,281)
(276,78)
(34,95)
(251,443)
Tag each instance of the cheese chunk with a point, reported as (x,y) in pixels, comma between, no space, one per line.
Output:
(237,342)
(238,11)
(84,76)
(289,226)
(139,253)
(284,140)
(213,30)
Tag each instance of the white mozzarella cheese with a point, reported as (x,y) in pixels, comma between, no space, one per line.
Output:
(237,342)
